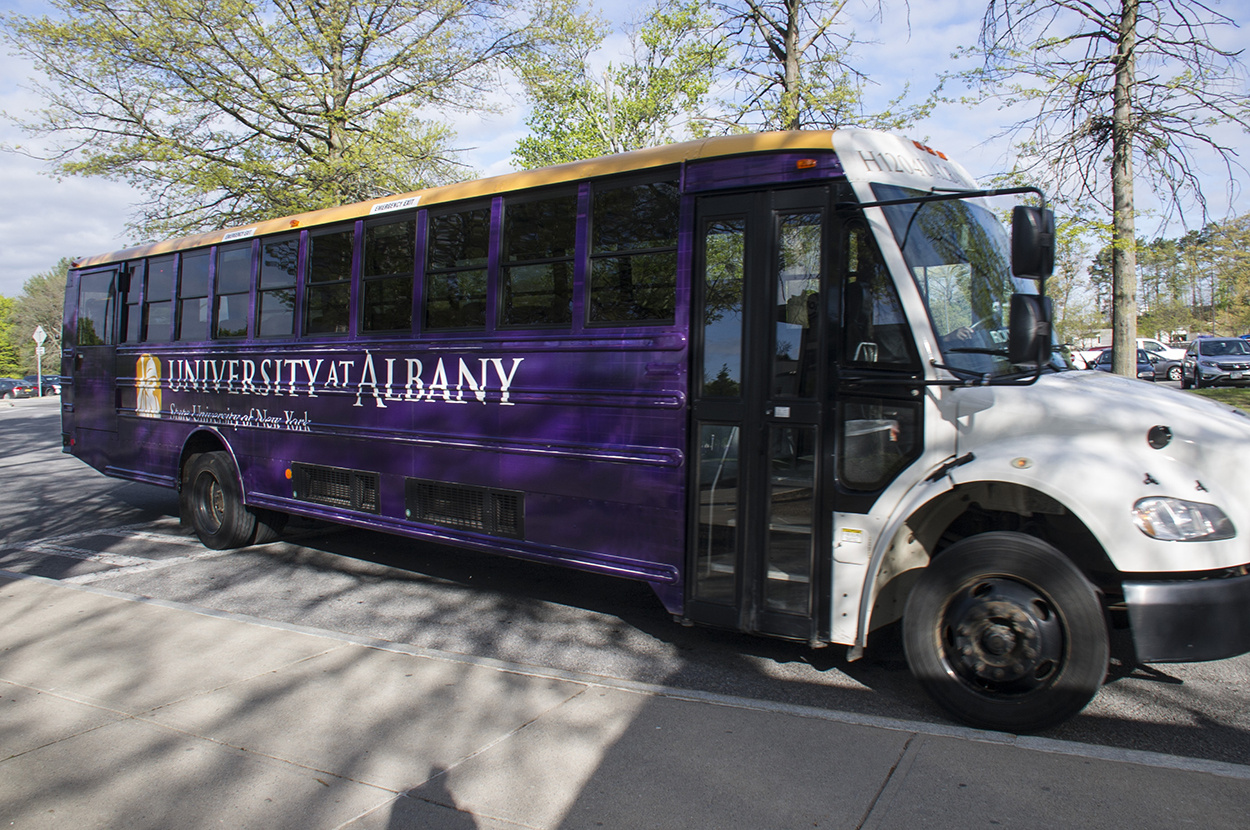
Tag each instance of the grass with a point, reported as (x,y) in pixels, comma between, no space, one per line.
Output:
(1233,396)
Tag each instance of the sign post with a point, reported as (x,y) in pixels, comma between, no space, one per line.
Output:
(39,336)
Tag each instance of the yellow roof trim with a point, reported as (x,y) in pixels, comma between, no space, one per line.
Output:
(636,160)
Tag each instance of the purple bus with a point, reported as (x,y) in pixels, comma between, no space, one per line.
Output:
(800,384)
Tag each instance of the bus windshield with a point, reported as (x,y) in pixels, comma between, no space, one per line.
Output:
(960,257)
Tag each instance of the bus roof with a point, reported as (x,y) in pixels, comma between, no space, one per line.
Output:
(574,171)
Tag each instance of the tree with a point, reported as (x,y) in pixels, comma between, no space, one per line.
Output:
(1065,287)
(10,360)
(790,64)
(42,303)
(579,113)
(223,113)
(1110,85)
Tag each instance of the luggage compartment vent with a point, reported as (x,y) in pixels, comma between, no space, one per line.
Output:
(465,507)
(336,487)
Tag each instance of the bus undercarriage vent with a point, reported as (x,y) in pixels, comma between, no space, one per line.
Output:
(465,507)
(336,487)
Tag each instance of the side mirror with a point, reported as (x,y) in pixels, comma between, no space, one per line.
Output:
(1028,331)
(1032,242)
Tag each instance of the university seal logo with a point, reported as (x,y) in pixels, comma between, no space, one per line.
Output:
(148,386)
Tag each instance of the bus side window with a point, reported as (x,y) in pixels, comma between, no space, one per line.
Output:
(129,289)
(633,255)
(234,286)
(536,277)
(387,276)
(875,330)
(96,298)
(275,300)
(328,283)
(457,254)
(158,300)
(193,297)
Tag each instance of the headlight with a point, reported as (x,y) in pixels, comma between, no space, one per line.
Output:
(1175,520)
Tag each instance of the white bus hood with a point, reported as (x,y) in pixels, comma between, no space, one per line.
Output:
(1080,437)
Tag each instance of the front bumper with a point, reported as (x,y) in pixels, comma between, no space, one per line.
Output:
(1189,621)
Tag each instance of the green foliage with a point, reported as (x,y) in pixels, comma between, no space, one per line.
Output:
(647,100)
(1197,283)
(10,360)
(228,112)
(42,303)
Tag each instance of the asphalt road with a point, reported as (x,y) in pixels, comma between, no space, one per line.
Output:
(65,521)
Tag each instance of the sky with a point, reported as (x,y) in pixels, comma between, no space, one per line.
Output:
(44,219)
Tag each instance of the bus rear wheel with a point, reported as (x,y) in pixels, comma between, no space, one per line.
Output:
(215,502)
(1006,633)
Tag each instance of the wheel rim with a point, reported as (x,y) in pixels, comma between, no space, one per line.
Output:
(1002,637)
(1174,373)
(210,501)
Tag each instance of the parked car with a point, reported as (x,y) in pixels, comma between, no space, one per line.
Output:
(51,383)
(1145,369)
(1085,358)
(1216,361)
(1155,347)
(1165,367)
(14,388)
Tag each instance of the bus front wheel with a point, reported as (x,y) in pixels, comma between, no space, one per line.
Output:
(215,502)
(1006,633)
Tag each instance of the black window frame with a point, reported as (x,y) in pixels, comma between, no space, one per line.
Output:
(384,279)
(219,294)
(432,272)
(517,202)
(265,287)
(168,270)
(338,287)
(185,286)
(631,255)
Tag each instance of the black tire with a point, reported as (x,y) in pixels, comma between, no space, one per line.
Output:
(1174,373)
(269,524)
(8,396)
(1185,384)
(214,502)
(1005,633)
(1197,379)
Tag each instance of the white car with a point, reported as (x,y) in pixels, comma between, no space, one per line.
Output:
(1155,347)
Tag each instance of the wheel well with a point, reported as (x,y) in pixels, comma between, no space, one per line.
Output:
(982,507)
(198,442)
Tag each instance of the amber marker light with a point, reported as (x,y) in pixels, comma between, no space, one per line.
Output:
(288,475)
(295,223)
(805,164)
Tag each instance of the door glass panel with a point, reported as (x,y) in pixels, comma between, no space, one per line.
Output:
(724,249)
(715,560)
(791,509)
(798,306)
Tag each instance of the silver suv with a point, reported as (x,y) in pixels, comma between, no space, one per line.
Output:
(1216,361)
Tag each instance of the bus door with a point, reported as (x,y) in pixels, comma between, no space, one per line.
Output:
(93,361)
(761,283)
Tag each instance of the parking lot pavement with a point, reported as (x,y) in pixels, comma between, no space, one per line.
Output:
(123,711)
